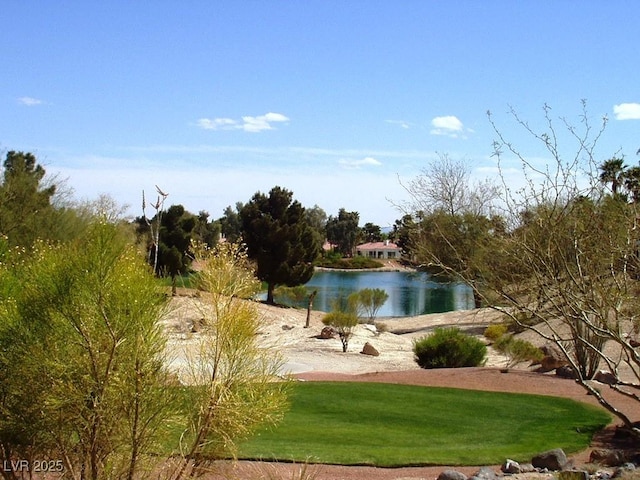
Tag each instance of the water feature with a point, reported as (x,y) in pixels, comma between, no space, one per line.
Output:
(410,293)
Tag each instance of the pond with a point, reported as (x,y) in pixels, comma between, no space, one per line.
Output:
(410,293)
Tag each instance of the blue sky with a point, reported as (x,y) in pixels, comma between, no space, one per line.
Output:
(334,100)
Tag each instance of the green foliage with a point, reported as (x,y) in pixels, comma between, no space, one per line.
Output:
(354,263)
(83,356)
(517,350)
(25,200)
(235,391)
(344,232)
(495,331)
(292,296)
(279,239)
(449,348)
(343,317)
(389,425)
(370,300)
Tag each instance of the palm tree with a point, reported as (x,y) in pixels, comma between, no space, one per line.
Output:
(632,183)
(613,172)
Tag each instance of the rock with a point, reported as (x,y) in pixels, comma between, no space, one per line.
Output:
(606,377)
(452,475)
(510,466)
(372,328)
(328,332)
(197,325)
(566,371)
(554,459)
(369,349)
(485,473)
(287,327)
(527,468)
(553,358)
(625,468)
(573,475)
(607,457)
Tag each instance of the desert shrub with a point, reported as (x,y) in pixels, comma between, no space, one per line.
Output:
(449,348)
(381,327)
(517,350)
(495,331)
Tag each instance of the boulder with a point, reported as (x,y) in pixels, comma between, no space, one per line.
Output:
(369,349)
(554,460)
(566,371)
(510,466)
(573,475)
(485,473)
(328,332)
(553,358)
(606,377)
(607,457)
(452,475)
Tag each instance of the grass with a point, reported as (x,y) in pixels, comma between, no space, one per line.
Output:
(389,425)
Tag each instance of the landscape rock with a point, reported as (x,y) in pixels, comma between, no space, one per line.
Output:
(573,475)
(327,332)
(510,466)
(566,371)
(369,349)
(485,473)
(452,475)
(553,358)
(606,377)
(607,457)
(554,460)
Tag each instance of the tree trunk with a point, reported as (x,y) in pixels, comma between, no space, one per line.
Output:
(270,288)
(309,307)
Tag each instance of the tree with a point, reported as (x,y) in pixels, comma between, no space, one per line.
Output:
(613,172)
(236,392)
(569,259)
(371,232)
(25,200)
(343,231)
(632,183)
(172,230)
(231,224)
(370,300)
(82,368)
(279,239)
(206,231)
(445,186)
(344,318)
(176,226)
(454,226)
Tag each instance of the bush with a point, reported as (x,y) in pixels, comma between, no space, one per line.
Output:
(350,263)
(495,331)
(517,350)
(449,348)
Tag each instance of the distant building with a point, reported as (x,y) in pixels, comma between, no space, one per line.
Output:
(379,250)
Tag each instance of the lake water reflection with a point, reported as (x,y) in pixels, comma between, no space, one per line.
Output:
(410,293)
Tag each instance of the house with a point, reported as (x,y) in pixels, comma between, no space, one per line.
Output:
(379,250)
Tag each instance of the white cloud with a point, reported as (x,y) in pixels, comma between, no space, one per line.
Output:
(448,125)
(217,123)
(401,123)
(627,111)
(248,123)
(367,161)
(30,101)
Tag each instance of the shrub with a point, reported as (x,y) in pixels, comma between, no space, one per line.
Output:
(517,350)
(495,331)
(449,348)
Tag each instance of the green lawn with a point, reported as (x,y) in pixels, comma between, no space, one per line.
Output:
(395,425)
